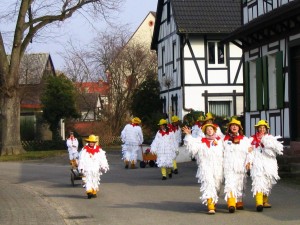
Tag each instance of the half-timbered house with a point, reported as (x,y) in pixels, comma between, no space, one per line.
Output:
(270,39)
(195,69)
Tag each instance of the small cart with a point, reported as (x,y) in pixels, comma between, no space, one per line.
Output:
(75,174)
(148,158)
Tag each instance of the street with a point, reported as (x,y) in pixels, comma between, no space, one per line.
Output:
(40,192)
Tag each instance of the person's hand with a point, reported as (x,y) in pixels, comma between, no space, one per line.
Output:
(248,166)
(250,149)
(186,130)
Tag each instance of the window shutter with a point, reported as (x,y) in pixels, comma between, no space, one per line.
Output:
(266,82)
(247,87)
(279,80)
(259,84)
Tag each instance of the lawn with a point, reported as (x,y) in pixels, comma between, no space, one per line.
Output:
(34,155)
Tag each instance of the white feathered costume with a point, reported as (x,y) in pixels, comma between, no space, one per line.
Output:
(132,137)
(164,146)
(209,155)
(235,155)
(264,167)
(92,163)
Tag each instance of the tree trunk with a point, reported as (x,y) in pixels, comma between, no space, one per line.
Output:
(11,140)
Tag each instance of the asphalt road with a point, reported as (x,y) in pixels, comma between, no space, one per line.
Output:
(40,192)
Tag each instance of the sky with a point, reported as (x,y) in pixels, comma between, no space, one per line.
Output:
(81,30)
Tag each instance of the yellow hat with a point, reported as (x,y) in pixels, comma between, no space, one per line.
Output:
(92,138)
(262,123)
(209,116)
(235,121)
(200,118)
(162,122)
(208,125)
(136,120)
(175,119)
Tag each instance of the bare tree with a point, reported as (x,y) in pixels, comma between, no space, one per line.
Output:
(129,67)
(31,17)
(123,64)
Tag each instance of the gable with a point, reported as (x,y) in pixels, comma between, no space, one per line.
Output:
(199,17)
(34,67)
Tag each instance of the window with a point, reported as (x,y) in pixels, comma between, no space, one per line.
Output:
(264,83)
(252,85)
(268,5)
(174,55)
(216,53)
(168,11)
(163,61)
(220,108)
(174,100)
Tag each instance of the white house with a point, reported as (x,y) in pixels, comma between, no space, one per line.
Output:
(195,69)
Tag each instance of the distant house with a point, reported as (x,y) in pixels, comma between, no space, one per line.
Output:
(131,65)
(92,99)
(34,69)
(195,69)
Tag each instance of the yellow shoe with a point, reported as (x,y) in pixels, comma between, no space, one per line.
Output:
(89,194)
(132,166)
(259,202)
(126,164)
(266,204)
(211,212)
(231,204)
(210,206)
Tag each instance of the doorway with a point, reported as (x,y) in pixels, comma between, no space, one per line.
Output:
(295,93)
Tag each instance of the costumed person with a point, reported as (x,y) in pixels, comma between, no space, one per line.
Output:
(165,147)
(263,163)
(236,150)
(208,151)
(92,164)
(132,137)
(197,127)
(174,126)
(72,145)
(209,119)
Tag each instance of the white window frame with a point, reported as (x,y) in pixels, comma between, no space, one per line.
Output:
(216,55)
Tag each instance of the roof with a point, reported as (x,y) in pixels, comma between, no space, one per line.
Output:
(99,87)
(206,16)
(34,67)
(201,16)
(86,128)
(279,17)
(87,101)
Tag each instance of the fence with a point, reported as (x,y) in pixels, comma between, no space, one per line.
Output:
(39,145)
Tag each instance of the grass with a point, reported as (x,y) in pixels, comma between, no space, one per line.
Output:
(32,155)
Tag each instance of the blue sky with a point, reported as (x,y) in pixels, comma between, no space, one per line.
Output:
(133,14)
(82,31)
